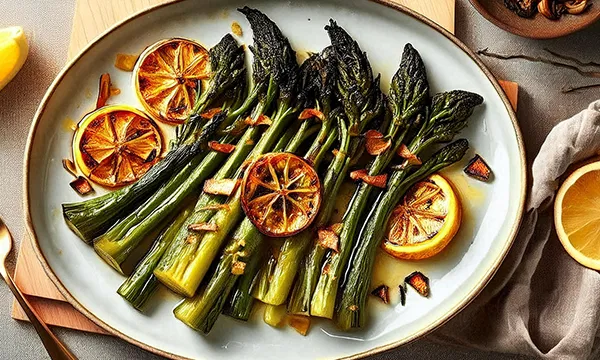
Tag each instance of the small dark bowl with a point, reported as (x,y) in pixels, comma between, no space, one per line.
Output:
(537,27)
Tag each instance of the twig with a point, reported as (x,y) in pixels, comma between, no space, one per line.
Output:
(573,59)
(569,89)
(485,52)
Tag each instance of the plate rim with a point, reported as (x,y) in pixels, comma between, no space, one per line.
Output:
(376,350)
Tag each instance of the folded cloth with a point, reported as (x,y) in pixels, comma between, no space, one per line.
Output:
(541,302)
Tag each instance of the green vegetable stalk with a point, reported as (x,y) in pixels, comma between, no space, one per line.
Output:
(183,269)
(118,243)
(362,101)
(352,311)
(140,285)
(195,312)
(448,116)
(278,274)
(408,96)
(91,218)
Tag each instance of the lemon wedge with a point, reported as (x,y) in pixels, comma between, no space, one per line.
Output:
(577,215)
(13,52)
(425,220)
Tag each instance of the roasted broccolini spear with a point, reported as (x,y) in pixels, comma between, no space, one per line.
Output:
(198,312)
(91,218)
(449,114)
(276,73)
(409,93)
(140,285)
(186,262)
(362,101)
(275,274)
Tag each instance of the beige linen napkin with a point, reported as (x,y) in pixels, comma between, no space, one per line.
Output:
(541,302)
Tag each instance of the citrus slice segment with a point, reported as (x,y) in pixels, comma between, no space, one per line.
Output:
(425,221)
(167,77)
(281,194)
(14,49)
(115,145)
(577,215)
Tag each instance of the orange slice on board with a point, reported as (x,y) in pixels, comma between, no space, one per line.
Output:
(167,77)
(115,145)
(425,221)
(281,194)
(577,215)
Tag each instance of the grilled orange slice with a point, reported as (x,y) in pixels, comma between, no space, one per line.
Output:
(425,221)
(281,194)
(167,77)
(115,145)
(577,215)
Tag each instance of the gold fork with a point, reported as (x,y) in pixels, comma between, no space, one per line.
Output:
(56,349)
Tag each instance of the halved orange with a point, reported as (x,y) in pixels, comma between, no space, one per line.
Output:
(577,215)
(425,221)
(115,145)
(281,194)
(167,77)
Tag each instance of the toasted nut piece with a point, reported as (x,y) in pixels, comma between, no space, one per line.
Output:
(220,186)
(336,152)
(379,181)
(576,6)
(337,228)
(69,166)
(236,28)
(125,62)
(328,239)
(81,185)
(358,174)
(262,120)
(222,148)
(419,282)
(103,90)
(550,9)
(382,292)
(411,158)
(238,267)
(375,143)
(210,113)
(203,227)
(308,113)
(478,169)
(300,323)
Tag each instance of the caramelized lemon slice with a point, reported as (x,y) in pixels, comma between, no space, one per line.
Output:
(281,194)
(167,77)
(425,221)
(115,145)
(577,215)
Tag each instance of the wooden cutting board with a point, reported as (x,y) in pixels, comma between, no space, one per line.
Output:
(91,18)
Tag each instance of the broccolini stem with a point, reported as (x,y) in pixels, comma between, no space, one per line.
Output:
(140,285)
(352,312)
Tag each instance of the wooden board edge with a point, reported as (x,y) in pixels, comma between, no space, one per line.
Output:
(57,313)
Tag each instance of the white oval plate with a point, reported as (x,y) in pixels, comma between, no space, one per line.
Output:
(457,275)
